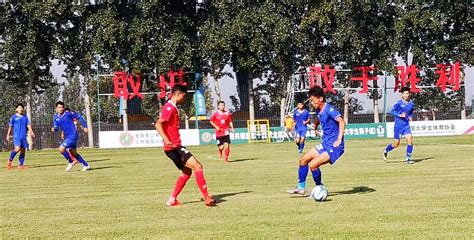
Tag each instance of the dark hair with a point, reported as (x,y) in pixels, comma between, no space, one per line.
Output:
(179,88)
(318,92)
(405,89)
(59,103)
(220,102)
(19,105)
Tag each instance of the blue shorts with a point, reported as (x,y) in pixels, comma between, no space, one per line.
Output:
(334,153)
(69,143)
(398,132)
(20,142)
(300,133)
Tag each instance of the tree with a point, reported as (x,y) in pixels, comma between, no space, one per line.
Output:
(234,34)
(434,32)
(70,94)
(28,36)
(350,34)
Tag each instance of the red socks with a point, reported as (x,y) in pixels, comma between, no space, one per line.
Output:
(180,185)
(227,152)
(201,182)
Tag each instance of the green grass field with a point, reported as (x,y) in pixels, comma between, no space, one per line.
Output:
(124,195)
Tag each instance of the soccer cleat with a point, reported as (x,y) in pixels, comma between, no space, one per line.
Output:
(173,203)
(296,191)
(409,161)
(69,166)
(9,164)
(210,202)
(85,168)
(22,167)
(385,155)
(226,160)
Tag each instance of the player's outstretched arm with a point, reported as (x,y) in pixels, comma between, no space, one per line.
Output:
(342,126)
(231,124)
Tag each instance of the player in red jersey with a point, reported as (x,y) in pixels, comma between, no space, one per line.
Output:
(168,127)
(221,120)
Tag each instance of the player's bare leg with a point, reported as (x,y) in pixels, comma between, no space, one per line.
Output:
(12,156)
(196,166)
(226,152)
(395,144)
(221,148)
(409,139)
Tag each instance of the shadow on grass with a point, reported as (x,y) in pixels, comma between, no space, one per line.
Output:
(220,198)
(101,168)
(65,163)
(416,160)
(241,160)
(354,190)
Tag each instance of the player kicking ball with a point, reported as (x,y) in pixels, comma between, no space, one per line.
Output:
(332,145)
(19,124)
(64,120)
(221,121)
(403,112)
(168,128)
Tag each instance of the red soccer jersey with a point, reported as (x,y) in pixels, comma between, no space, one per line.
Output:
(170,116)
(222,120)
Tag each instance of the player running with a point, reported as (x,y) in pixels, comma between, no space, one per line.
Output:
(64,120)
(332,145)
(168,128)
(221,121)
(301,118)
(19,123)
(403,112)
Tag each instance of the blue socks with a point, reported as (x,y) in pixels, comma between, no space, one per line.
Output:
(12,155)
(388,148)
(409,151)
(67,156)
(81,160)
(301,147)
(302,173)
(22,159)
(317,176)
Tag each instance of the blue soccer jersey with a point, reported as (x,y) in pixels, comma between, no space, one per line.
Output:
(300,118)
(327,118)
(403,107)
(19,124)
(402,124)
(65,122)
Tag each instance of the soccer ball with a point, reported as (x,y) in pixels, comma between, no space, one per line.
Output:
(319,193)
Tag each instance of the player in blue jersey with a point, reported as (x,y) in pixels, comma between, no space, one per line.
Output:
(332,143)
(64,120)
(301,118)
(403,112)
(19,125)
